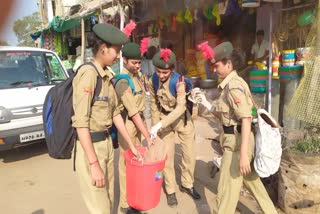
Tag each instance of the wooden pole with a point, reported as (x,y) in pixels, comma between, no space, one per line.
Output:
(83,40)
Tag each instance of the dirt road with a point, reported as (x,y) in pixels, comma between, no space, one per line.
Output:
(32,182)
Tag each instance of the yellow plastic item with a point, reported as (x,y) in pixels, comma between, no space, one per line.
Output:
(180,17)
(215,13)
(261,66)
(188,16)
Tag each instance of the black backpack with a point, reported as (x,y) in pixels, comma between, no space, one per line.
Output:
(57,113)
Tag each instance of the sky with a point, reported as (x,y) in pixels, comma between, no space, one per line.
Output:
(20,9)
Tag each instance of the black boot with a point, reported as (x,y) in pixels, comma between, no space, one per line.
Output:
(172,200)
(191,191)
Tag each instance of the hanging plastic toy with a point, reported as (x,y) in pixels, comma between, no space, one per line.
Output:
(188,16)
(179,17)
(173,23)
(208,13)
(166,21)
(215,13)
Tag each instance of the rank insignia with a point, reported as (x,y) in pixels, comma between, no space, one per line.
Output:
(237,100)
(87,90)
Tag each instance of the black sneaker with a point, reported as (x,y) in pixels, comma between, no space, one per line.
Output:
(191,191)
(172,200)
(129,210)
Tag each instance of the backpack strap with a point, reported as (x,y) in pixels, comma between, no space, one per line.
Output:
(98,87)
(188,87)
(174,80)
(129,80)
(155,82)
(177,78)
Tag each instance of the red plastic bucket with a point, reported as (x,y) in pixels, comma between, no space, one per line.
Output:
(144,181)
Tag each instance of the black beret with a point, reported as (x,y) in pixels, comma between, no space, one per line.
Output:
(160,63)
(222,51)
(110,34)
(131,51)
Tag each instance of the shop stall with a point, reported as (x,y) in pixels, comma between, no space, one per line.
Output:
(182,25)
(67,35)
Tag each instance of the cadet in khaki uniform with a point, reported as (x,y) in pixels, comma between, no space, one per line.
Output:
(168,114)
(94,153)
(234,106)
(133,106)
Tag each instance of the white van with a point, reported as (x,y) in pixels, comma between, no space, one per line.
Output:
(26,75)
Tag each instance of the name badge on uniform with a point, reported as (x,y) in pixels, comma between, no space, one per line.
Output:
(102,98)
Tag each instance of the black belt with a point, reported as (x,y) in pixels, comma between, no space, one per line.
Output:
(100,135)
(230,129)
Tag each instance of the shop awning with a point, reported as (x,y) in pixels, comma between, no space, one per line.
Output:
(62,24)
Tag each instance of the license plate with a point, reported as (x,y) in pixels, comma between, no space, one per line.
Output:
(31,136)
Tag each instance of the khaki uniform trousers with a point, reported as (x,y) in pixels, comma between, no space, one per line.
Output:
(97,200)
(230,181)
(135,136)
(186,135)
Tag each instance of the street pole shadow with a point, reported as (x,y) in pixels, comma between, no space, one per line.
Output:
(205,182)
(24,152)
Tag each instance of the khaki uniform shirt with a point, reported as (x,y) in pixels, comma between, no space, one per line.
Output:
(163,99)
(96,117)
(235,101)
(132,103)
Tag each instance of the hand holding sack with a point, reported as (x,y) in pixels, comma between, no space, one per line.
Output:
(157,151)
(198,97)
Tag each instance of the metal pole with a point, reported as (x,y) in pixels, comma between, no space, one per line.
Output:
(270,63)
(83,40)
(121,27)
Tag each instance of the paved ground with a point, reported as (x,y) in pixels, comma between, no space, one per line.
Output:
(33,183)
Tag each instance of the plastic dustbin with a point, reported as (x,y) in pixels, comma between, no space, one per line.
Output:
(144,181)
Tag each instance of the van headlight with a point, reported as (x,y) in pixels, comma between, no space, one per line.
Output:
(5,115)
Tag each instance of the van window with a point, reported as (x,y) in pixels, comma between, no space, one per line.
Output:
(29,68)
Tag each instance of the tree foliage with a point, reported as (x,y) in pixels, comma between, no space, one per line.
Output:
(23,27)
(3,43)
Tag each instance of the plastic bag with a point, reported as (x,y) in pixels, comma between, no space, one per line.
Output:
(268,148)
(156,152)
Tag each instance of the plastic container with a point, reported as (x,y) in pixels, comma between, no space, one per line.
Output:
(258,80)
(275,66)
(290,72)
(250,3)
(288,57)
(144,181)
